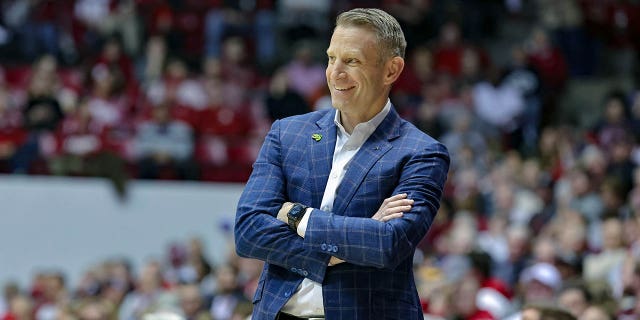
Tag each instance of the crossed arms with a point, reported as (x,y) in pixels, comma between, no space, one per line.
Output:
(383,241)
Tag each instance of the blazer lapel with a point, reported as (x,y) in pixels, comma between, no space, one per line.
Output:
(321,156)
(371,151)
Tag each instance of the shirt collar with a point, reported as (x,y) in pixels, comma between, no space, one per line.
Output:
(366,128)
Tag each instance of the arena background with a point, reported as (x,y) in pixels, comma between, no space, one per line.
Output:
(128,127)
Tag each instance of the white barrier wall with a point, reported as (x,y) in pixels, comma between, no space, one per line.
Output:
(69,224)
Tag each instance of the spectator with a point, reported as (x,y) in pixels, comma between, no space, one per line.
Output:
(501,106)
(41,114)
(146,295)
(36,25)
(417,18)
(520,75)
(304,19)
(564,21)
(518,238)
(464,302)
(107,104)
(575,299)
(83,150)
(164,146)
(177,87)
(153,61)
(585,199)
(282,101)
(449,49)
(20,308)
(541,283)
(12,135)
(551,66)
(228,295)
(463,135)
(615,122)
(597,266)
(232,18)
(238,74)
(112,55)
(54,297)
(305,76)
(198,259)
(9,291)
(118,282)
(94,19)
(191,303)
(417,74)
(178,270)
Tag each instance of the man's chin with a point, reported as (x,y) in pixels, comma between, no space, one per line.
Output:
(338,104)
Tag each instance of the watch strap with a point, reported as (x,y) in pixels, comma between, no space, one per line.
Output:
(295,214)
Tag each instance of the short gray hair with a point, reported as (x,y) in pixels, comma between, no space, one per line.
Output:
(386,28)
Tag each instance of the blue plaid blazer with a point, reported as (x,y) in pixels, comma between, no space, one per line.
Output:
(376,282)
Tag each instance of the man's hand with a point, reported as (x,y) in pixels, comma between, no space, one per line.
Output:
(284,210)
(391,208)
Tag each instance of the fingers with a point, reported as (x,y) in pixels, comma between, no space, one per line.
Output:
(284,210)
(396,209)
(394,198)
(400,203)
(391,216)
(393,207)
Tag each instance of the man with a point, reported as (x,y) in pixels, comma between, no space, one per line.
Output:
(339,199)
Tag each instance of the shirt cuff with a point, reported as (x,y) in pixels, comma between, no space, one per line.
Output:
(302,226)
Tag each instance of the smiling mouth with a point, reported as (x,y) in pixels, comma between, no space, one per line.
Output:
(345,89)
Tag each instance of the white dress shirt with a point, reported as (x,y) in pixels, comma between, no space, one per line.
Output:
(307,301)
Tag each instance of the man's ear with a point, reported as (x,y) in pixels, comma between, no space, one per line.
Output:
(394,68)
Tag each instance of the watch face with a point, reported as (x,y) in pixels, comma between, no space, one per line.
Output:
(296,212)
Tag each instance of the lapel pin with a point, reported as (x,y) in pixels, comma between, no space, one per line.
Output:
(316,136)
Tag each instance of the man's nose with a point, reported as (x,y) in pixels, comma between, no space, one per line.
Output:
(338,71)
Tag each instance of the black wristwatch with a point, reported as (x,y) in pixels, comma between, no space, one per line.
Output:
(295,214)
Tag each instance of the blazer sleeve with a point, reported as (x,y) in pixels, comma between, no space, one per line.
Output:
(368,242)
(258,233)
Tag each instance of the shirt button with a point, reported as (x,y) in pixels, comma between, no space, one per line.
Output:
(335,175)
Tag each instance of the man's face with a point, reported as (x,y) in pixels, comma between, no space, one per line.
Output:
(355,72)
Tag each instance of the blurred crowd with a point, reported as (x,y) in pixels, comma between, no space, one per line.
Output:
(182,284)
(540,208)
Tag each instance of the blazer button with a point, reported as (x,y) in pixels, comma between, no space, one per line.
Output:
(323,246)
(287,294)
(305,273)
(335,248)
(294,270)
